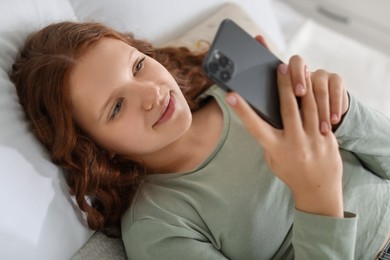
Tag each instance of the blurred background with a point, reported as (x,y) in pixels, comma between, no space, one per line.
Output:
(349,37)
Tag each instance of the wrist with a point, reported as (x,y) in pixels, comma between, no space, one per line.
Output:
(325,203)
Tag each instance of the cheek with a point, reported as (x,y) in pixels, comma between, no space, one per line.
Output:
(162,73)
(113,135)
(119,139)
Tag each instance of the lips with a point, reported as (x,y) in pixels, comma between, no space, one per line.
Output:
(170,105)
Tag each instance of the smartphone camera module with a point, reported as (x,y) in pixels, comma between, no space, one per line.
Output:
(220,66)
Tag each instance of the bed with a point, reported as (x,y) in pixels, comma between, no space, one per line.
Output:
(38,218)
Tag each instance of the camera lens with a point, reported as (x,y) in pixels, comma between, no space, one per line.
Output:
(224,75)
(223,61)
(213,67)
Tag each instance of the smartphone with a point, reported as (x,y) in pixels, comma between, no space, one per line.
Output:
(238,62)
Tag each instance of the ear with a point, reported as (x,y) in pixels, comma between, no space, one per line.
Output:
(261,40)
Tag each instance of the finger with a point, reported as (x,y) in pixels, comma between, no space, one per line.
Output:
(289,110)
(309,109)
(262,40)
(256,126)
(336,92)
(320,84)
(299,72)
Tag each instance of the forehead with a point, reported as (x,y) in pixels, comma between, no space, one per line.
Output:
(100,62)
(104,49)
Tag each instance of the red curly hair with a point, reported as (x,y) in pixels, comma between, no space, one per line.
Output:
(103,188)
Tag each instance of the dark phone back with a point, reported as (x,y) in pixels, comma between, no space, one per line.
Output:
(236,61)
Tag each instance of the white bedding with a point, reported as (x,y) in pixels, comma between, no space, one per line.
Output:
(366,71)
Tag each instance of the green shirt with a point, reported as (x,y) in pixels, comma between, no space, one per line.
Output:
(233,207)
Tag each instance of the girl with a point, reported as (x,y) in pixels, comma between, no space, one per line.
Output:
(190,171)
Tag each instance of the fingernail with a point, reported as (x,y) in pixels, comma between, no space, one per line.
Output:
(299,89)
(334,118)
(283,68)
(324,127)
(231,100)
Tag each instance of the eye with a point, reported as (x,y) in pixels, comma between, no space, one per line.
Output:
(117,108)
(139,65)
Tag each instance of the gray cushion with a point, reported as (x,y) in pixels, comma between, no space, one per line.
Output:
(100,247)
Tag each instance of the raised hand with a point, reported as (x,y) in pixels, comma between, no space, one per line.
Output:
(302,156)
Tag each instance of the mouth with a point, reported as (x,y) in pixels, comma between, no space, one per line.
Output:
(169,109)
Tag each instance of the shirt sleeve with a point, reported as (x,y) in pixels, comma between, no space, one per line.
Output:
(365,132)
(153,239)
(322,237)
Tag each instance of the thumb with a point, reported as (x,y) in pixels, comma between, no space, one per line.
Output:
(263,132)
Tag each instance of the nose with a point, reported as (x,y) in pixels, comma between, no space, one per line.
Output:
(151,95)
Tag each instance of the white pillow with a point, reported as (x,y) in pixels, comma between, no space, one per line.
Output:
(37,219)
(161,21)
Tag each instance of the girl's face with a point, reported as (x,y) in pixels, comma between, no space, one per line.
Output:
(126,101)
